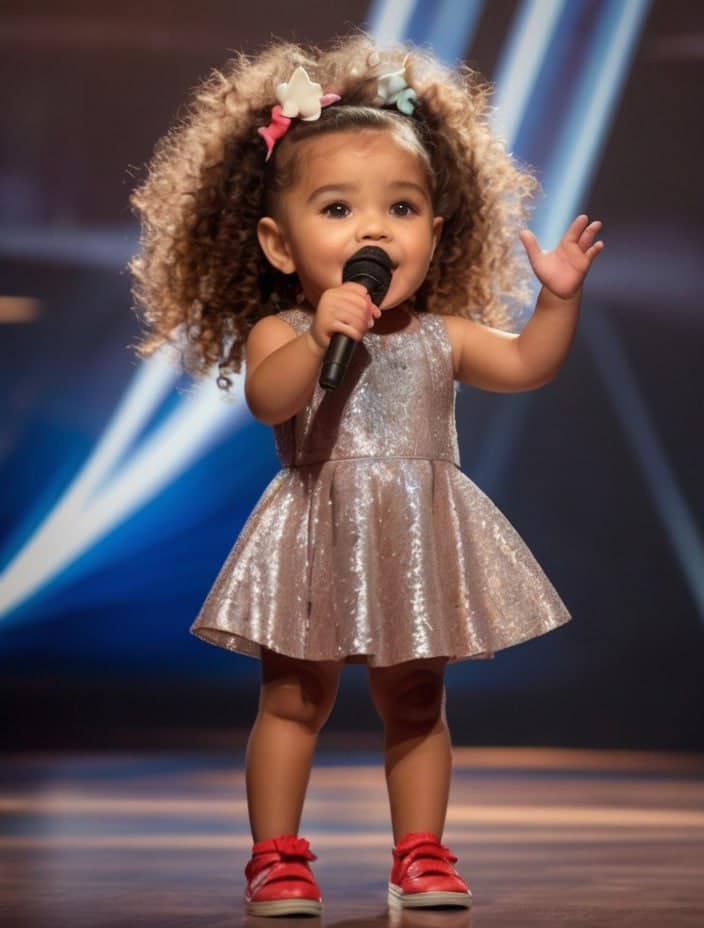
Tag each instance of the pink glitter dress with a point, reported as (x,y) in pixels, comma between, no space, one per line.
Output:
(370,544)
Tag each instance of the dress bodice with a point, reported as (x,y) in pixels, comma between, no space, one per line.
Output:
(397,400)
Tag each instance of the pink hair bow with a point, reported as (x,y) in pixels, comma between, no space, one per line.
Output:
(275,130)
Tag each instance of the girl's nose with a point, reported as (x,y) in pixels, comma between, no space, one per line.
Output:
(373,228)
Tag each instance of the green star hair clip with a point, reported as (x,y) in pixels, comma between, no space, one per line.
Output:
(393,88)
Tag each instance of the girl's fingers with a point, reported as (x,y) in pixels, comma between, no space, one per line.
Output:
(353,294)
(577,228)
(592,252)
(356,302)
(530,243)
(587,237)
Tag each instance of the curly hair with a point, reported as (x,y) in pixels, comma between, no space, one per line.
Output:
(201,280)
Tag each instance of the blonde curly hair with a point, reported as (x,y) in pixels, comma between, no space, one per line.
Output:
(201,280)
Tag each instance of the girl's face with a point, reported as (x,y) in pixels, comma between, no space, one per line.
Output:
(353,189)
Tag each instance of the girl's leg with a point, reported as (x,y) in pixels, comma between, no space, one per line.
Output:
(295,700)
(410,699)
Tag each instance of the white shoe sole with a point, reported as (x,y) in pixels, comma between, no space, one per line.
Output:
(284,907)
(398,899)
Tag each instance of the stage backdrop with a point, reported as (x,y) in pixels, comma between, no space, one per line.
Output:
(123,486)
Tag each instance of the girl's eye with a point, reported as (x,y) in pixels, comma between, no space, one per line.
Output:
(403,209)
(336,210)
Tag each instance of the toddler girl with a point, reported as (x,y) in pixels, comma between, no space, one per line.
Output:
(370,544)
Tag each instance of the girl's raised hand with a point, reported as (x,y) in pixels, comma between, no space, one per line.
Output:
(563,270)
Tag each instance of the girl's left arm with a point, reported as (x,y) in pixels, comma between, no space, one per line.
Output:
(547,336)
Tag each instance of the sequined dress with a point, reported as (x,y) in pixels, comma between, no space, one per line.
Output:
(370,544)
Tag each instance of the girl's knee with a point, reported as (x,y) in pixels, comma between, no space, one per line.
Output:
(298,691)
(416,697)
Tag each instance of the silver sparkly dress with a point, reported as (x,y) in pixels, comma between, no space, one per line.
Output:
(370,544)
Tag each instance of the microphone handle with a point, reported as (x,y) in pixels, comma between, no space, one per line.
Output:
(341,347)
(336,361)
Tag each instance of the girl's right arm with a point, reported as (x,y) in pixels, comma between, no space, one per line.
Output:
(282,368)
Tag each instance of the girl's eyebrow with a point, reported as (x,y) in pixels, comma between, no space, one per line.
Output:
(330,188)
(410,184)
(348,188)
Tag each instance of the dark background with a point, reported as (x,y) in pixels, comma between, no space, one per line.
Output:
(600,471)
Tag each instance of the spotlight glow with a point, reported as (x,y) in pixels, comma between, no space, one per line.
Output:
(95,504)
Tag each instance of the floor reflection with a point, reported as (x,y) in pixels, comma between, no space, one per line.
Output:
(393,918)
(547,839)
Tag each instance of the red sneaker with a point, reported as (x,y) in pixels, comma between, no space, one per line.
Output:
(422,874)
(279,880)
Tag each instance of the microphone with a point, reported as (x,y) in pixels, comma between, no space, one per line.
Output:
(370,267)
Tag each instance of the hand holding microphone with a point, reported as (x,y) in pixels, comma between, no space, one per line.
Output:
(370,267)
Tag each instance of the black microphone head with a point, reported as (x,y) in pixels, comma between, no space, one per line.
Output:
(370,267)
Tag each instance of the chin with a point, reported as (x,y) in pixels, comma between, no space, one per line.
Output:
(396,302)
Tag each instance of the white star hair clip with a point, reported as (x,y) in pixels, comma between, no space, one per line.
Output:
(298,97)
(302,97)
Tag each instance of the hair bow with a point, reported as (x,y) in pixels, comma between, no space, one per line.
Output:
(298,97)
(393,88)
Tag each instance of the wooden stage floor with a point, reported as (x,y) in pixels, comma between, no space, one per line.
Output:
(545,838)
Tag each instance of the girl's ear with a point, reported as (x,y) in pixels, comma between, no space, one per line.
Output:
(437,231)
(274,245)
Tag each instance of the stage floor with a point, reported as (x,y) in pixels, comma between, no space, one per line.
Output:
(545,838)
